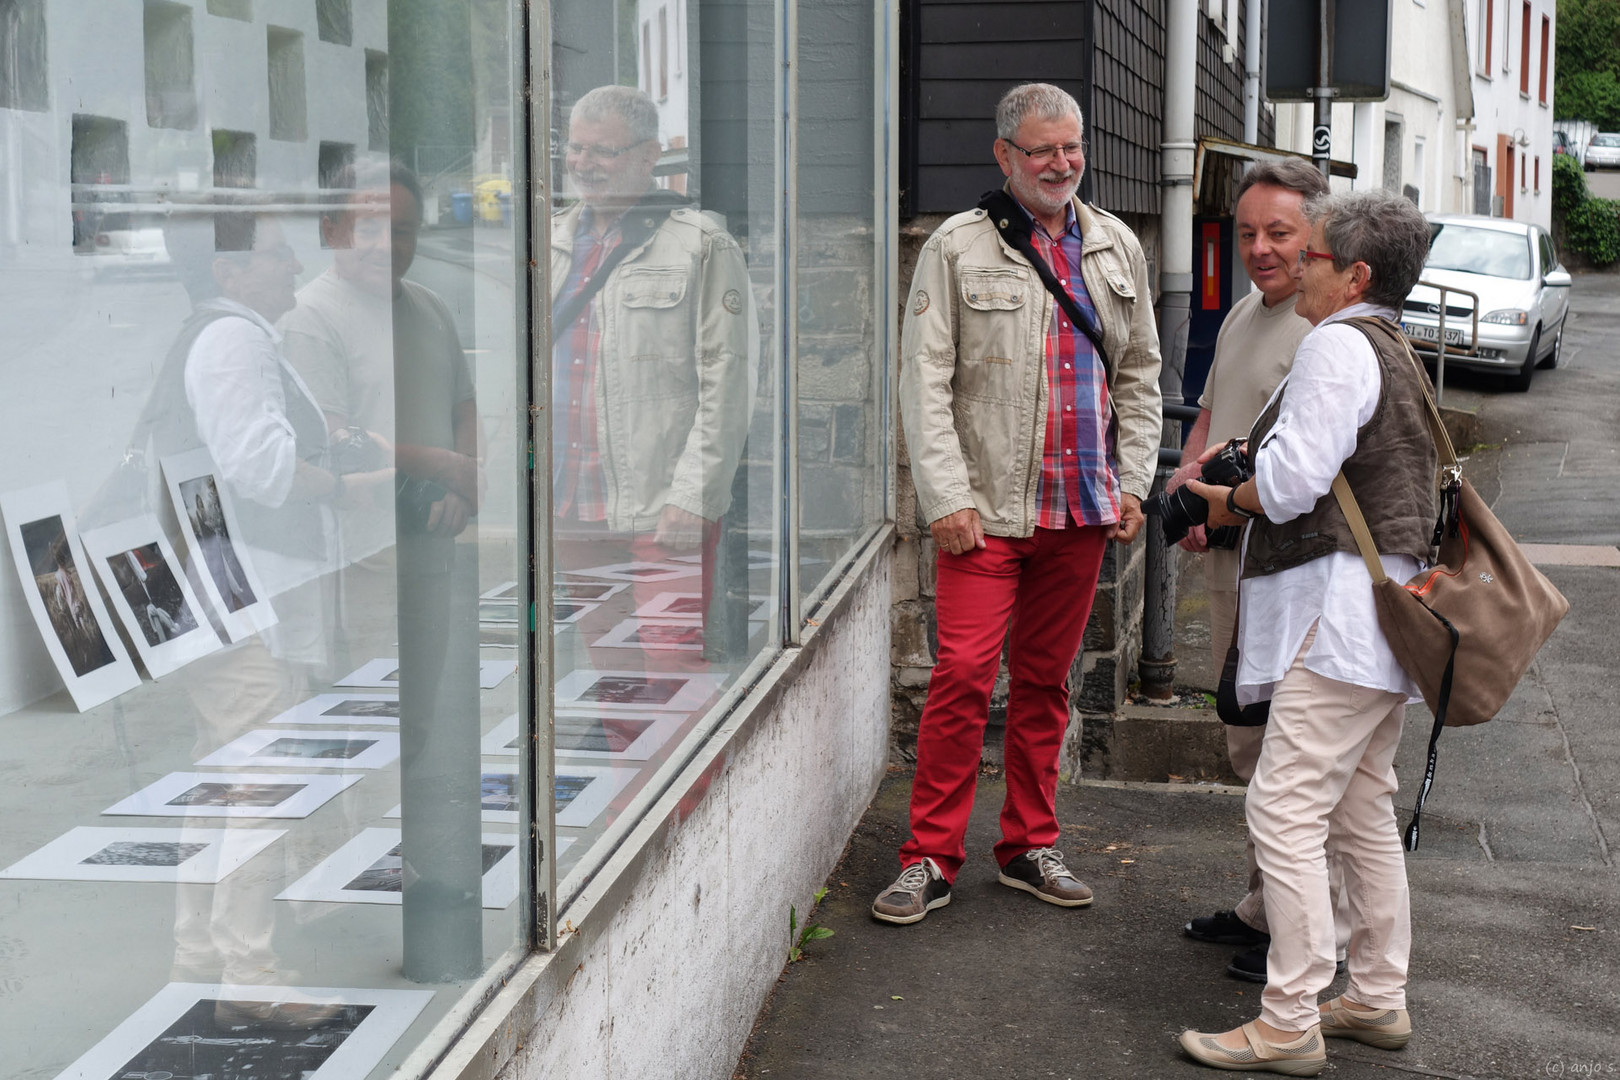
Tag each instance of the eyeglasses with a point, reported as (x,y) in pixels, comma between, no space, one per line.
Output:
(600,152)
(1306,253)
(1045,155)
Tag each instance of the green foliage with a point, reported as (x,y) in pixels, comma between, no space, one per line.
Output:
(1589,95)
(798,939)
(1588,43)
(1569,183)
(1593,229)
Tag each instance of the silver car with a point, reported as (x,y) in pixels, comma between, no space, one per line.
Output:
(1523,295)
(1603,152)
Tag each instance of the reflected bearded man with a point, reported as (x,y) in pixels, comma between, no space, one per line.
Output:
(1033,437)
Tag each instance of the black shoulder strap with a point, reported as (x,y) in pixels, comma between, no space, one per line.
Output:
(639,223)
(1014,226)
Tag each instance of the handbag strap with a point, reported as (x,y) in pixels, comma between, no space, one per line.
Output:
(1358,528)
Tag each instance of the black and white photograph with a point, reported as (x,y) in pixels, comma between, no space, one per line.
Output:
(369,870)
(150,594)
(201,1031)
(384,672)
(595,592)
(307,749)
(217,561)
(61,595)
(186,856)
(641,571)
(654,635)
(564,612)
(635,691)
(672,605)
(234,795)
(578,734)
(345,709)
(582,792)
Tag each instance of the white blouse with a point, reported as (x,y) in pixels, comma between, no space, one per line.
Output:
(1331,392)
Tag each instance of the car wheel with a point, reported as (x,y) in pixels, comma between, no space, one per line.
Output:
(1557,349)
(1521,382)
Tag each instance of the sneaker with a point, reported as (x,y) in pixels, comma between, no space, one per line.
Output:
(1041,871)
(1387,1029)
(1250,964)
(1225,928)
(1305,1056)
(919,889)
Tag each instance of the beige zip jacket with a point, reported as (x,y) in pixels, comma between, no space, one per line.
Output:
(676,368)
(973,386)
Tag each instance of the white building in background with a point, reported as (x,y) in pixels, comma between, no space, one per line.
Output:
(664,73)
(1468,124)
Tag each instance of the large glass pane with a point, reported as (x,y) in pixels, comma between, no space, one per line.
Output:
(664,415)
(264,514)
(842,432)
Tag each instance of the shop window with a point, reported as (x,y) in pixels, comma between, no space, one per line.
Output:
(376,100)
(334,21)
(287,106)
(232,9)
(171,100)
(23,83)
(236,159)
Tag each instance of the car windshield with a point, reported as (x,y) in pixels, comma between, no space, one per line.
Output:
(1606,140)
(1479,251)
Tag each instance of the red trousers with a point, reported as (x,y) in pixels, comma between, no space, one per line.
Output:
(1044,586)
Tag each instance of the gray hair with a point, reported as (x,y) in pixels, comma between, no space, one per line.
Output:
(1042,101)
(1379,228)
(1291,174)
(625,103)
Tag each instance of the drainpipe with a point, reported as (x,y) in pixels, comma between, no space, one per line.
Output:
(1251,71)
(1157,667)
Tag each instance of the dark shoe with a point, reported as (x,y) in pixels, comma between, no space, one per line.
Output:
(1250,964)
(1041,871)
(1225,928)
(1387,1029)
(919,889)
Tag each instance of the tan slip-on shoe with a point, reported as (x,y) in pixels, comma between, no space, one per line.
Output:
(1387,1029)
(1305,1056)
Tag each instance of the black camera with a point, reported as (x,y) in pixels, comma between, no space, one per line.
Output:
(353,450)
(1181,509)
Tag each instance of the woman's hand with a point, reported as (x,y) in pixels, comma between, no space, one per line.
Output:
(1216,496)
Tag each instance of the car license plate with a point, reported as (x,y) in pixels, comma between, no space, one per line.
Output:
(1432,333)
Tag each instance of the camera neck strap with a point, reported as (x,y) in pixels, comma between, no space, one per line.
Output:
(635,229)
(1016,229)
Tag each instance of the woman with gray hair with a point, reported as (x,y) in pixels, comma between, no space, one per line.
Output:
(1310,642)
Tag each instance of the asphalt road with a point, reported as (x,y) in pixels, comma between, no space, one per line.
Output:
(1605,183)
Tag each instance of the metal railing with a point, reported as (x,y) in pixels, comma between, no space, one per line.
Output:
(1440,336)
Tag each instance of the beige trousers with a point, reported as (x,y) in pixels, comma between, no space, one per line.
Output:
(1326,782)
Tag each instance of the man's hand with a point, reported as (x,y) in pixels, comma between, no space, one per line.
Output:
(679,529)
(449,515)
(958,533)
(1130,519)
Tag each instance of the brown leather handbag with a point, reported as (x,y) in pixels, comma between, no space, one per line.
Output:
(1468,628)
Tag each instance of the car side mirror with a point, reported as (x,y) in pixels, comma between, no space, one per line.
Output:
(1557,279)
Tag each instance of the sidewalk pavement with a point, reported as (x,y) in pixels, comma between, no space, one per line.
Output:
(1515,906)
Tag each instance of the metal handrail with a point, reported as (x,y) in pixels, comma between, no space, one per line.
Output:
(1440,342)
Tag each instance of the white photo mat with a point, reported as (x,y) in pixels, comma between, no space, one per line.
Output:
(654,635)
(332,877)
(190,856)
(384,672)
(505,591)
(343,709)
(591,736)
(635,691)
(130,1050)
(581,793)
(175,616)
(301,748)
(639,571)
(82,641)
(593,591)
(564,612)
(234,795)
(216,559)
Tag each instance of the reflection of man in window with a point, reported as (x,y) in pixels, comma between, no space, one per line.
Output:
(654,328)
(384,361)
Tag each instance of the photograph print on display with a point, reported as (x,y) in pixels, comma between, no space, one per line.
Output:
(592,591)
(635,691)
(625,737)
(384,672)
(190,856)
(201,1031)
(307,749)
(332,709)
(62,596)
(581,793)
(654,635)
(672,605)
(234,795)
(640,571)
(216,560)
(369,869)
(151,595)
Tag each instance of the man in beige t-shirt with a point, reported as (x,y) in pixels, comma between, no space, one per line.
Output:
(1253,353)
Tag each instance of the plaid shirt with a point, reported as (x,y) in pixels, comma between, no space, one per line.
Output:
(1078,480)
(578,491)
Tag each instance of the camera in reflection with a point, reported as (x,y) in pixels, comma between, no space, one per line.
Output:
(1181,509)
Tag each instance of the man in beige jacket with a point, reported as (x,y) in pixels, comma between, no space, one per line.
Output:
(1032,415)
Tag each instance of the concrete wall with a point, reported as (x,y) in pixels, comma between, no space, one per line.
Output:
(678,944)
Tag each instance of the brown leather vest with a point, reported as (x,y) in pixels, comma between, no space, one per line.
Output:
(1391,472)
